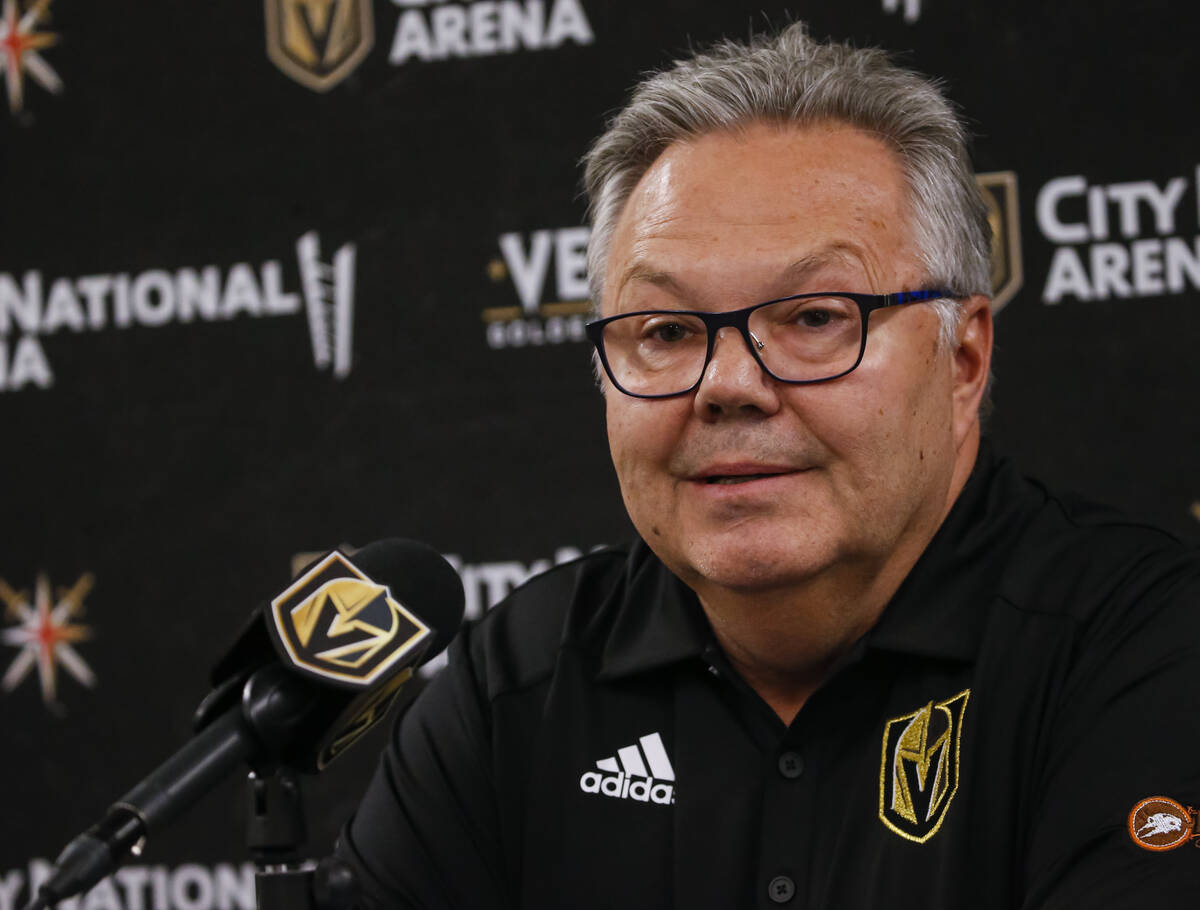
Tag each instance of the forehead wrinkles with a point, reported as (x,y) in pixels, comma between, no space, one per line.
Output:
(645,268)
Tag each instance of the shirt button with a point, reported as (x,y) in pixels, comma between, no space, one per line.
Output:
(791,765)
(781,889)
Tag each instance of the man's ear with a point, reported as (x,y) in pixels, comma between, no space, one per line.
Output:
(972,363)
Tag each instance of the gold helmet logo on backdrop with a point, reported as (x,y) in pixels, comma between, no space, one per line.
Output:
(337,624)
(319,43)
(999,190)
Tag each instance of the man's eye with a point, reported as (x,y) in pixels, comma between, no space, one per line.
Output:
(814,319)
(668,331)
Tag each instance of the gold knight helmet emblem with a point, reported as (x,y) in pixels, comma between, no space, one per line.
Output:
(999,191)
(919,771)
(319,42)
(336,624)
(355,609)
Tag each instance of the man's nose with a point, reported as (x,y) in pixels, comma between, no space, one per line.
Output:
(733,382)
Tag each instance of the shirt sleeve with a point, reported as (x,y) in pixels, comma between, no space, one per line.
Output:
(1127,728)
(426,834)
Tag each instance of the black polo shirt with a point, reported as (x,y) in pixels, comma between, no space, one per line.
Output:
(1036,677)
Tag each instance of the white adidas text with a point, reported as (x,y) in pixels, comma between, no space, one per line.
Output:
(622,786)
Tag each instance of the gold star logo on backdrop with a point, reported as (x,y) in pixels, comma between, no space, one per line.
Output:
(45,634)
(19,47)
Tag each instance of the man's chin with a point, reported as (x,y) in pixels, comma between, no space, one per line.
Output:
(746,567)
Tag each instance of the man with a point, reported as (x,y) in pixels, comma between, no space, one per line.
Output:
(854,659)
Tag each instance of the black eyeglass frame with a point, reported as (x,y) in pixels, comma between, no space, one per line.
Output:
(740,320)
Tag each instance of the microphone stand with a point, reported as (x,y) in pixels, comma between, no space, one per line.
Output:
(275,830)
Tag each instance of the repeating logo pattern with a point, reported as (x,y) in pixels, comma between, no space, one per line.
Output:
(912,9)
(319,42)
(329,302)
(46,633)
(20,44)
(437,30)
(919,771)
(33,305)
(136,886)
(999,190)
(1126,240)
(547,271)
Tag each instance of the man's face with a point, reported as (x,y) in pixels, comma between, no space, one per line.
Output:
(747,483)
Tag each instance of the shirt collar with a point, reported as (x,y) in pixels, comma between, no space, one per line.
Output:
(659,620)
(938,611)
(941,607)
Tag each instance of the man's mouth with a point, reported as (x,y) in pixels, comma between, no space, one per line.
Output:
(737,478)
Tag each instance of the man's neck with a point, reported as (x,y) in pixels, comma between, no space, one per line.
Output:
(784,643)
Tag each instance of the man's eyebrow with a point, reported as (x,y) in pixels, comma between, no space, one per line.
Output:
(640,271)
(840,253)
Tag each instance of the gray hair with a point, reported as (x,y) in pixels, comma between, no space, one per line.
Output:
(792,79)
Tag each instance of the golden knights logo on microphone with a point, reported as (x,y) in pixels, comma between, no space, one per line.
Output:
(336,624)
(918,775)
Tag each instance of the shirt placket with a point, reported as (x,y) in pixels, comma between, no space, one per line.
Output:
(718,795)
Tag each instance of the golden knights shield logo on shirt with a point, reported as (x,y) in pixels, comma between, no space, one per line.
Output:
(918,775)
(319,42)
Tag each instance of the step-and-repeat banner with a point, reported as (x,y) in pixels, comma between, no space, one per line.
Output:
(277,275)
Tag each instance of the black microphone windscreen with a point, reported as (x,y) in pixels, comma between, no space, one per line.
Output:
(421,579)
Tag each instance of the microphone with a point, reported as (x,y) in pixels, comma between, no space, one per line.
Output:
(312,671)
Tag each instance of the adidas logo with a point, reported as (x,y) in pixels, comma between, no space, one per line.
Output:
(643,773)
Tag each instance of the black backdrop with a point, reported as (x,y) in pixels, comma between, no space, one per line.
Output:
(258,304)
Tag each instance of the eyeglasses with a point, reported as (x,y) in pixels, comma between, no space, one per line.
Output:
(800,339)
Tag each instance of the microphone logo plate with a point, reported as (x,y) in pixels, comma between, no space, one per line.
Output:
(336,624)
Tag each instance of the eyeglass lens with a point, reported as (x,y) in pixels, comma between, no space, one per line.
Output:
(663,353)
